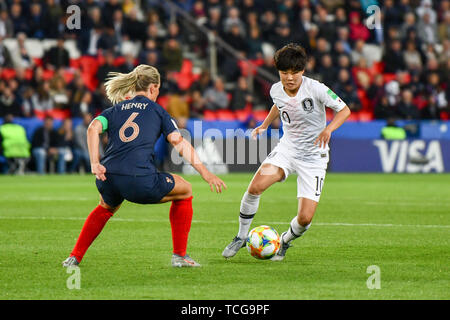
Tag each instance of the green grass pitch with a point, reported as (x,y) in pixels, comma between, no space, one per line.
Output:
(400,223)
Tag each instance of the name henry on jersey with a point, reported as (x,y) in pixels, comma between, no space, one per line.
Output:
(137,105)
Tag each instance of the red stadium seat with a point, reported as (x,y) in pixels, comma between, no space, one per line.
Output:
(59,114)
(354,117)
(365,116)
(244,114)
(260,115)
(389,77)
(209,115)
(47,74)
(8,74)
(365,101)
(226,115)
(163,101)
(75,63)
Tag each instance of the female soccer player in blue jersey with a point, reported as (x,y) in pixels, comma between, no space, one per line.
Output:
(127,169)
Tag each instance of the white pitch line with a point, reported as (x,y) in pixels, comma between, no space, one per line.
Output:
(338,224)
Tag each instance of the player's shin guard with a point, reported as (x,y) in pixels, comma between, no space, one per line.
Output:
(91,229)
(180,220)
(295,230)
(249,206)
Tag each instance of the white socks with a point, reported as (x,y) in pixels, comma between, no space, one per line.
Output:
(249,206)
(295,230)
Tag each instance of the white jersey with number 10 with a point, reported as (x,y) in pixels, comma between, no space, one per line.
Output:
(304,116)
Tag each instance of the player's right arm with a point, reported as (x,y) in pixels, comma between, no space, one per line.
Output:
(187,151)
(93,140)
(273,114)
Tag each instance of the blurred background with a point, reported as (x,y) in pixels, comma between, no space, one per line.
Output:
(388,60)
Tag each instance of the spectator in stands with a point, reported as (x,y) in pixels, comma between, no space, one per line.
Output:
(327,29)
(100,99)
(444,28)
(340,19)
(80,148)
(427,30)
(172,55)
(233,19)
(65,133)
(53,15)
(27,106)
(358,31)
(406,108)
(5,56)
(134,27)
(19,53)
(377,90)
(14,145)
(119,28)
(435,92)
(197,105)
(46,145)
(57,57)
(107,67)
(254,44)
(214,22)
(18,19)
(216,97)
(311,69)
(383,110)
(251,21)
(393,57)
(426,7)
(408,24)
(108,40)
(36,22)
(58,90)
(392,132)
(412,58)
(80,98)
(178,108)
(241,97)
(268,24)
(6,25)
(41,100)
(9,103)
(108,11)
(327,69)
(391,14)
(173,31)
(346,90)
(199,12)
(236,38)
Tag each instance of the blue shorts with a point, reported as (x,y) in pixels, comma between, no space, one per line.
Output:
(138,189)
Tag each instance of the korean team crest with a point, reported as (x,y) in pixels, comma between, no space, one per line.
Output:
(308,105)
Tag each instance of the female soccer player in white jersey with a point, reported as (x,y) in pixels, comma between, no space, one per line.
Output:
(300,102)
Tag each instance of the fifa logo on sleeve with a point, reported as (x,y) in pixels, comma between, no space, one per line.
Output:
(74,280)
(374,280)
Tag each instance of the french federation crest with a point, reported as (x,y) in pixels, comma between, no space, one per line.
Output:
(308,105)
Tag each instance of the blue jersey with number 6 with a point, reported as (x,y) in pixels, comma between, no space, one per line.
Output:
(133,128)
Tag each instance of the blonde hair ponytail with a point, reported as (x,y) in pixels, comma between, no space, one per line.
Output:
(119,85)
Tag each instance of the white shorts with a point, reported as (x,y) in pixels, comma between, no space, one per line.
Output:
(311,175)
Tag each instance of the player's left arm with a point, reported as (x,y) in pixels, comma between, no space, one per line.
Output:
(93,140)
(187,151)
(338,120)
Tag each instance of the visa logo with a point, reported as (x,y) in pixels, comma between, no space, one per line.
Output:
(410,156)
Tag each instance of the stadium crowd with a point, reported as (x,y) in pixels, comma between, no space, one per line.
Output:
(397,67)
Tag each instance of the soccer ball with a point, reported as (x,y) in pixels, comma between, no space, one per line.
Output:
(263,242)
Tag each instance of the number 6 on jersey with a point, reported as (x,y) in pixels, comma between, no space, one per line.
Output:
(129,124)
